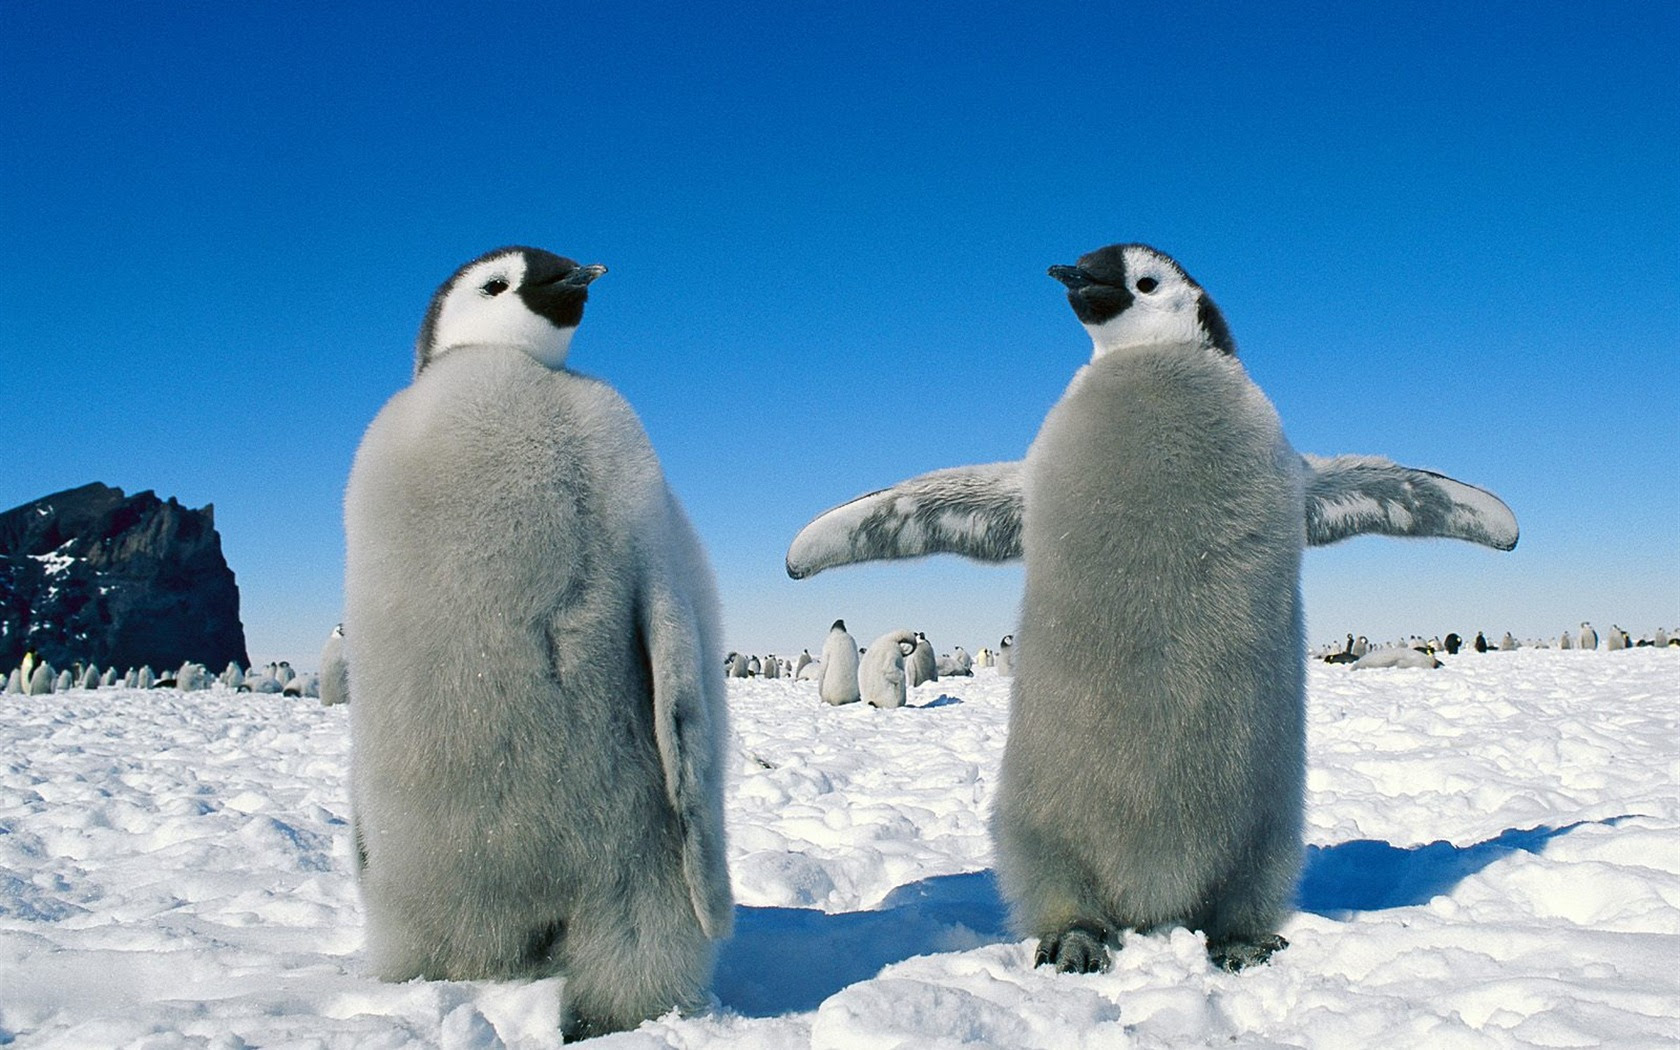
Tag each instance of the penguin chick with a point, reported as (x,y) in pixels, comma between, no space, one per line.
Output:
(921,665)
(1161,506)
(335,675)
(838,683)
(538,725)
(881,672)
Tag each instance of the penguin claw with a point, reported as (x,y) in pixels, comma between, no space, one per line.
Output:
(1078,949)
(1236,954)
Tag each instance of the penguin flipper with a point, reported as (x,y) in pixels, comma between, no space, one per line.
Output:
(1354,495)
(972,511)
(688,706)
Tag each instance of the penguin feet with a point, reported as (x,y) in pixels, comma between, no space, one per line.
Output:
(1236,953)
(1078,949)
(575,1028)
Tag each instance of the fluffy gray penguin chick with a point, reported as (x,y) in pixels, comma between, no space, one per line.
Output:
(536,774)
(335,676)
(881,672)
(1161,513)
(839,681)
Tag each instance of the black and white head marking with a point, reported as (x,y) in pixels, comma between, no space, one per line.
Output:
(521,297)
(1130,295)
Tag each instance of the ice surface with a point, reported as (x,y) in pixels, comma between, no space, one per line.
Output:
(1493,859)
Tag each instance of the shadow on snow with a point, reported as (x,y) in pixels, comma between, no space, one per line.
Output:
(788,960)
(1370,875)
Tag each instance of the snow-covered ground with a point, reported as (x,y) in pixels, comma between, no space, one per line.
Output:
(1493,860)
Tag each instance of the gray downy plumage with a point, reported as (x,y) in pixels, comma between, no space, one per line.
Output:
(539,719)
(1005,658)
(921,666)
(838,683)
(1161,510)
(881,671)
(335,675)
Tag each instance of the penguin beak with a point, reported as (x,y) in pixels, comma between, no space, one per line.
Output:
(1072,276)
(580,277)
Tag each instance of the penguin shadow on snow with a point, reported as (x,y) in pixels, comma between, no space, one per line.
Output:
(941,700)
(1371,875)
(788,960)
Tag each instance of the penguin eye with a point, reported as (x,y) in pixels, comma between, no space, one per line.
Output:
(1146,284)
(494,286)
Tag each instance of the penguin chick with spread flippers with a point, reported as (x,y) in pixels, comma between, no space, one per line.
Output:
(1161,510)
(539,718)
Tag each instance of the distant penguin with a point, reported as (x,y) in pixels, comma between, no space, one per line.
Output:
(232,676)
(800,662)
(1160,509)
(735,666)
(881,675)
(1005,657)
(41,680)
(1454,643)
(335,673)
(1589,637)
(772,667)
(754,667)
(921,666)
(14,681)
(983,658)
(108,678)
(1660,639)
(1508,643)
(1616,639)
(1565,641)
(538,724)
(64,682)
(192,678)
(90,678)
(26,669)
(957,664)
(1345,656)
(839,681)
(1402,656)
(145,678)
(1361,646)
(1481,643)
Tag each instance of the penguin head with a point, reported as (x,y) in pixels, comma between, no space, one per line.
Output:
(837,625)
(524,298)
(1130,295)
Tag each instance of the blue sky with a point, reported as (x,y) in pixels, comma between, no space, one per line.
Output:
(1446,233)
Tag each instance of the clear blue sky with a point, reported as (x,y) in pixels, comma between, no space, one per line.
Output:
(1444,232)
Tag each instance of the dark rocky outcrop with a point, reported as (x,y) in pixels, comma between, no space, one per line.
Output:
(94,576)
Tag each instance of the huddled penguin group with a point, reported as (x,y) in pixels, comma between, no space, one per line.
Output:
(1166,792)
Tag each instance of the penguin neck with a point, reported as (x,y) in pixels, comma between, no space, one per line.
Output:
(550,351)
(1131,331)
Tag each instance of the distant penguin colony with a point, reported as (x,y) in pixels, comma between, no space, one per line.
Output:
(538,722)
(881,675)
(1102,825)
